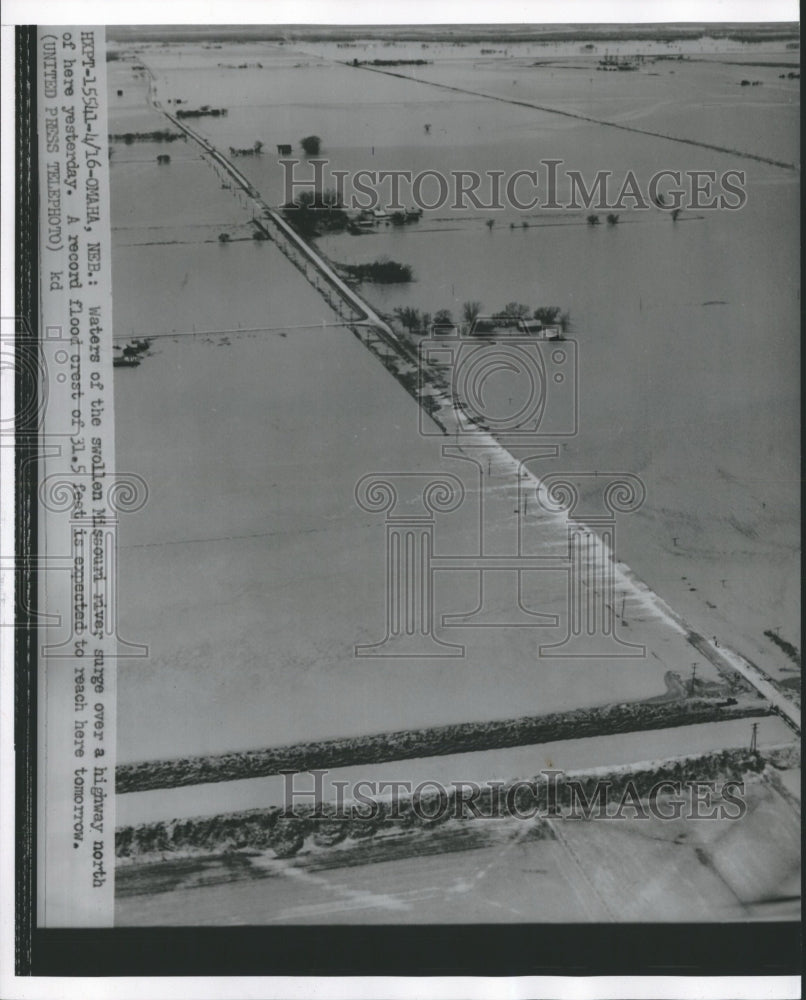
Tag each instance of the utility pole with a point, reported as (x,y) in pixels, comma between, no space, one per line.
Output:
(754,739)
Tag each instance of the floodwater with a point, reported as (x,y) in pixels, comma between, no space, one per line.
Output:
(687,331)
(687,342)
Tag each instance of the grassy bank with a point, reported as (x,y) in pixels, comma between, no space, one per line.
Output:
(437,741)
(262,829)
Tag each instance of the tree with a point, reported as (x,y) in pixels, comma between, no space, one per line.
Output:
(383,271)
(551,316)
(408,317)
(470,311)
(287,838)
(547,314)
(331,198)
(311,144)
(313,212)
(305,200)
(517,310)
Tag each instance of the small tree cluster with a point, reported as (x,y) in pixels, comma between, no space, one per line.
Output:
(311,144)
(383,271)
(313,213)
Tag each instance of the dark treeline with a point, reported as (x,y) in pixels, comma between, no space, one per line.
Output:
(203,112)
(465,737)
(159,135)
(382,272)
(259,829)
(664,32)
(391,62)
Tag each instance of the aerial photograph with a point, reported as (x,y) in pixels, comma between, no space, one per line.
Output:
(462,365)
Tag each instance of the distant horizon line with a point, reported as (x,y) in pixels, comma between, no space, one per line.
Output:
(466,25)
(502,33)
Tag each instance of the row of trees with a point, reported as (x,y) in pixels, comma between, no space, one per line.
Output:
(628,793)
(513,312)
(311,213)
(158,135)
(205,111)
(382,271)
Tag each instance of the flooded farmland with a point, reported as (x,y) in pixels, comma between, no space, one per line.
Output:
(254,573)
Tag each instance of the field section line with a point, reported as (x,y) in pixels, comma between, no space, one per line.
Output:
(580,117)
